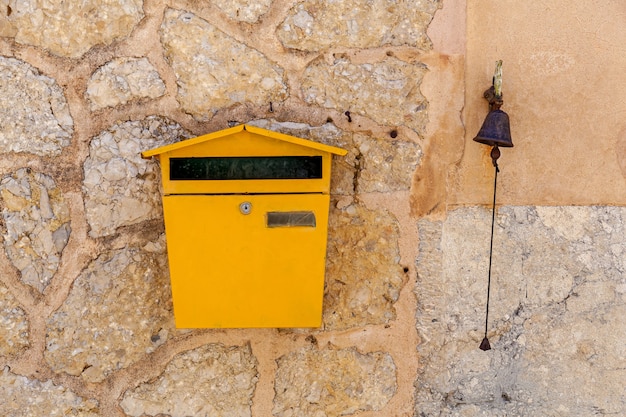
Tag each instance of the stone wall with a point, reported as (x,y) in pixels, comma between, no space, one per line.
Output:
(86,323)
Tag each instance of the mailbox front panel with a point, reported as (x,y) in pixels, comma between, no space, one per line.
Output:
(247,260)
(247,163)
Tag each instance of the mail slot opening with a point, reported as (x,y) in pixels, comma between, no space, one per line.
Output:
(246,168)
(290,219)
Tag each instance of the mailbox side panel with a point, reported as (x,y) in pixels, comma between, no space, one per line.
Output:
(261,269)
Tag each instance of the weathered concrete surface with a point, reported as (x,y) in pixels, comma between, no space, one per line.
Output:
(557,297)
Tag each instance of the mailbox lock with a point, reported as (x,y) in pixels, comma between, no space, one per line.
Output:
(245,207)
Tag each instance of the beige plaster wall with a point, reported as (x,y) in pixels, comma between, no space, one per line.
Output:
(558,273)
(563,88)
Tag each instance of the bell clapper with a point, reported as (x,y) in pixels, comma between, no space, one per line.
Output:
(495,154)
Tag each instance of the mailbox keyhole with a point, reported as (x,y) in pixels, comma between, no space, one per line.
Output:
(245,207)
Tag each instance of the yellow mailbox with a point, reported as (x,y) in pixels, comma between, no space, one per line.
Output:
(246,220)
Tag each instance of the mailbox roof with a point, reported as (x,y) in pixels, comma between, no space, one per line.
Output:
(234,130)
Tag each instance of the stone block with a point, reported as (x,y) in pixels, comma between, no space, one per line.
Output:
(554,317)
(244,10)
(316,25)
(330,382)
(212,380)
(385,165)
(224,72)
(72,27)
(122,80)
(120,187)
(22,396)
(118,310)
(14,326)
(37,221)
(363,274)
(34,116)
(387,92)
